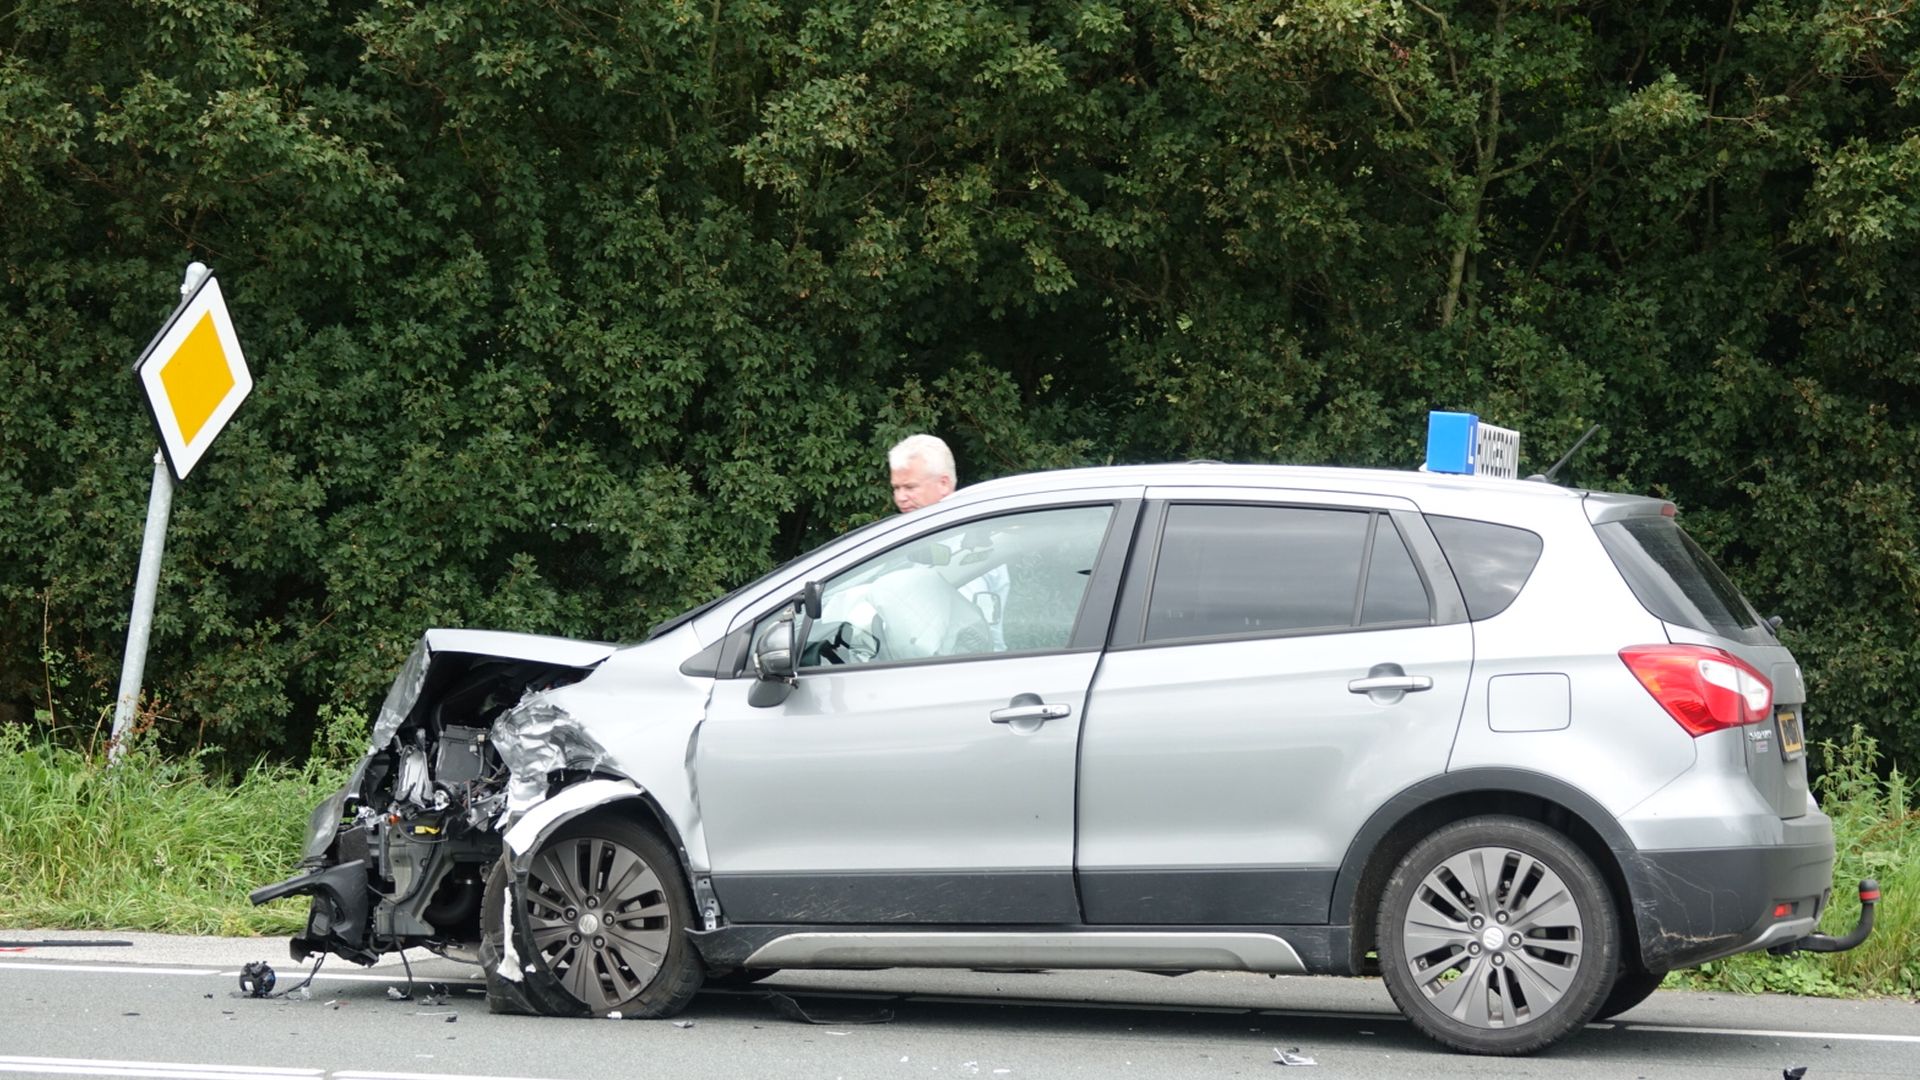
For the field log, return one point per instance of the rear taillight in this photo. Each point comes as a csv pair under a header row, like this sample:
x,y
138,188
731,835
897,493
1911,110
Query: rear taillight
x,y
1704,689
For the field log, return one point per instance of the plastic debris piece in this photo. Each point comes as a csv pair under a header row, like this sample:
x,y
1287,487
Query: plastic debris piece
x,y
683,1023
394,993
300,993
1793,1072
256,979
1291,1056
453,1017
614,1015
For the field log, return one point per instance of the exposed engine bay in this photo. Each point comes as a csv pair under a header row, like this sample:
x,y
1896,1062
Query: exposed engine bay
x,y
400,856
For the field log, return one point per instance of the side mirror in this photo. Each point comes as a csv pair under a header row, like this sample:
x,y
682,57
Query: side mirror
x,y
776,656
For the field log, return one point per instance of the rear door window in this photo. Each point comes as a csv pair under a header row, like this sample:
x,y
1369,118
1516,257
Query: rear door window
x,y
1232,570
1677,581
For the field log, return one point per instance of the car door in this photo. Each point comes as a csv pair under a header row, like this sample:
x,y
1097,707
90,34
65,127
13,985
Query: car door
x,y
1283,663
922,768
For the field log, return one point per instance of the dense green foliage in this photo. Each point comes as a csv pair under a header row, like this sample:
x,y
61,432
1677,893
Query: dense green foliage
x,y
566,315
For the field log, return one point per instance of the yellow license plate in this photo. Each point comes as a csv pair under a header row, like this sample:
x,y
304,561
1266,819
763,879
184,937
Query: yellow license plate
x,y
1792,737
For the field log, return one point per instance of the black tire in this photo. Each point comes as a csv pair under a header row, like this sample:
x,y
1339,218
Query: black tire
x,y
1451,916
735,978
569,959
1629,989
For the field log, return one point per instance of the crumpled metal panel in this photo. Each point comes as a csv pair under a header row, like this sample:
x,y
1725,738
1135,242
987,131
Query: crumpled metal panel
x,y
406,690
535,738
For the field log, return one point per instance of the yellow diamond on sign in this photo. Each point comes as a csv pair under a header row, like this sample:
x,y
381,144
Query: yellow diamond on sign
x,y
195,377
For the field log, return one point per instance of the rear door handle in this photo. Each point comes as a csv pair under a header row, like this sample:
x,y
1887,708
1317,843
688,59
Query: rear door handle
x,y
1029,707
1406,684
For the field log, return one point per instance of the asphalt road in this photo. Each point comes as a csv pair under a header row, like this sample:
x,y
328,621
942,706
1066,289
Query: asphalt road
x,y
170,1008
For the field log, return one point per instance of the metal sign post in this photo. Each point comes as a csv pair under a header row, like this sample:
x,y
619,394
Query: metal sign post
x,y
195,377
145,586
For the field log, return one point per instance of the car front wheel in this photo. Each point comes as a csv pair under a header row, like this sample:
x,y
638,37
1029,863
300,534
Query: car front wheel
x,y
598,928
1497,936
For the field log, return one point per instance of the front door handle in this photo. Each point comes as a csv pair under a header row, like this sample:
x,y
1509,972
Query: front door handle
x,y
1406,684
1029,707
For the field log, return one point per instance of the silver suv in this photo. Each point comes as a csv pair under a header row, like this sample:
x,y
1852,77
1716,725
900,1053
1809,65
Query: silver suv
x,y
1519,749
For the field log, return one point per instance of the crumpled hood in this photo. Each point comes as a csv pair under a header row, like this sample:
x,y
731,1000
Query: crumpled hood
x,y
400,699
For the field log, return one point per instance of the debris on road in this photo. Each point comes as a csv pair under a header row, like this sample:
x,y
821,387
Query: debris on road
x,y
257,979
1291,1056
791,1009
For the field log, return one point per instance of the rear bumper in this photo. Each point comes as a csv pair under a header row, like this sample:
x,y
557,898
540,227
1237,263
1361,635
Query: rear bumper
x,y
1691,906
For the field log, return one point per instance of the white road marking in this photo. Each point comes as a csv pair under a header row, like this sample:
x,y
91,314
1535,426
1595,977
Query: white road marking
x,y
184,1070
35,965
344,1074
165,1069
1852,1036
294,976
286,976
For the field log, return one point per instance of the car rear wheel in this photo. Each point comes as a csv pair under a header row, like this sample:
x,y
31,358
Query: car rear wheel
x,y
598,928
1497,936
1630,989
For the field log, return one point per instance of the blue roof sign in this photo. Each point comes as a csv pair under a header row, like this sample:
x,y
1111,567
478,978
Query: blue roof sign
x,y
1460,444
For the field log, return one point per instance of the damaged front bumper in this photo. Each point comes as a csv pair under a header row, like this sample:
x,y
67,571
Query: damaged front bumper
x,y
337,918
464,744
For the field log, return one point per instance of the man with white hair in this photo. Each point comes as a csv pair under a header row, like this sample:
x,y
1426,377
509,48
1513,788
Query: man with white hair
x,y
923,472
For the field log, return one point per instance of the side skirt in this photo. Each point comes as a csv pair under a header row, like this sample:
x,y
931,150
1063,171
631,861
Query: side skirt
x,y
1277,950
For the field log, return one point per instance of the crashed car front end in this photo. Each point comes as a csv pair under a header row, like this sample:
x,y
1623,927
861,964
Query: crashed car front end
x,y
466,741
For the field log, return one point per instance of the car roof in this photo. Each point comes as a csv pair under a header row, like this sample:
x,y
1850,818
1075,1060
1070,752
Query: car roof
x,y
1442,493
1404,483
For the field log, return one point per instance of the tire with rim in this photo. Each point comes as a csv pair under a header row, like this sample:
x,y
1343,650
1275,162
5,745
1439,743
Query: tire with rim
x,y
599,928
1629,989
1497,936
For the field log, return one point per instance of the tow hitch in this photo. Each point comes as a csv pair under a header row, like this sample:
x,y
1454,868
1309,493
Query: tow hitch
x,y
1869,899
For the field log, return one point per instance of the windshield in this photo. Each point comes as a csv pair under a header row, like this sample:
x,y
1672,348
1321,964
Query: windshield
x,y
698,609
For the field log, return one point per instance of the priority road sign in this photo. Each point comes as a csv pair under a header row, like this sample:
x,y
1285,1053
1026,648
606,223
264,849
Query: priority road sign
x,y
195,376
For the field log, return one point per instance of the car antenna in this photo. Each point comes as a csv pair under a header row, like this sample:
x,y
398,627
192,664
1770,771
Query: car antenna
x,y
1566,457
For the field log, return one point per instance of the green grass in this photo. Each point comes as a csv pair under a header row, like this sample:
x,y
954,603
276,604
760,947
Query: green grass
x,y
147,843
157,844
